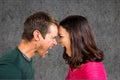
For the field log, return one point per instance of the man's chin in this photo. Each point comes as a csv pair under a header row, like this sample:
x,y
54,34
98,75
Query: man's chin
x,y
44,54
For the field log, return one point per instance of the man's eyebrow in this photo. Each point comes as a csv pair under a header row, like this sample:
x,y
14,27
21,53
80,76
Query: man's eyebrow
x,y
54,36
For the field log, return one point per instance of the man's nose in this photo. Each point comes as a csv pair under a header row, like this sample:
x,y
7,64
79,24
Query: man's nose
x,y
55,42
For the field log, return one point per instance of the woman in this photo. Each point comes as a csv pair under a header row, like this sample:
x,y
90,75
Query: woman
x,y
80,53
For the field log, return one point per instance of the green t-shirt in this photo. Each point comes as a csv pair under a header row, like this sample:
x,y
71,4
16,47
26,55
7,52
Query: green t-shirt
x,y
14,66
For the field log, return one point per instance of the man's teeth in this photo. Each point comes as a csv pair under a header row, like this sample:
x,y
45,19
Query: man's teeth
x,y
62,46
46,51
50,48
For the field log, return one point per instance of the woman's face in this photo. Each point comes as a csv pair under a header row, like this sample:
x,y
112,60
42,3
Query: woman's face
x,y
64,40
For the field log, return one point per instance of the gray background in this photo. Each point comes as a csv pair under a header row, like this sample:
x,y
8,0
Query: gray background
x,y
103,15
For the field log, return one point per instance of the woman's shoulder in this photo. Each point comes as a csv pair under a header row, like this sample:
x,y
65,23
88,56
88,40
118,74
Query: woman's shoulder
x,y
94,67
93,63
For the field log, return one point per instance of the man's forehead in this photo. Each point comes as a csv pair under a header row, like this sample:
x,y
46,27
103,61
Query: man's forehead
x,y
53,29
53,33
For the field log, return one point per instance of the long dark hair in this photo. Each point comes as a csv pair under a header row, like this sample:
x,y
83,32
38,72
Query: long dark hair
x,y
83,45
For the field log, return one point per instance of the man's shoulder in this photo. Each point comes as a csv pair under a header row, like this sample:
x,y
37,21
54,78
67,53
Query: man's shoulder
x,y
8,62
6,67
10,56
8,71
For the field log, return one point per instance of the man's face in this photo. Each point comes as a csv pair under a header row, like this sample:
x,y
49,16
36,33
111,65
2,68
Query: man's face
x,y
49,41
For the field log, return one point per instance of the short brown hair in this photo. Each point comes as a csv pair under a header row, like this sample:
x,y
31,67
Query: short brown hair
x,y
38,21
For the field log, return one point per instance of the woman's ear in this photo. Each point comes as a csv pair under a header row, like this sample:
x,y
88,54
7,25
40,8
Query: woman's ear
x,y
37,35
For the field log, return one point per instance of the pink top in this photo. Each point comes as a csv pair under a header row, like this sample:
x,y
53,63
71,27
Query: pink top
x,y
88,71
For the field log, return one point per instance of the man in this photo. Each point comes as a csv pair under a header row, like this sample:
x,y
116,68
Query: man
x,y
40,32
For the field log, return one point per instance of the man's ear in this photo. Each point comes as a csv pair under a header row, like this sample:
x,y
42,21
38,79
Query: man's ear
x,y
37,35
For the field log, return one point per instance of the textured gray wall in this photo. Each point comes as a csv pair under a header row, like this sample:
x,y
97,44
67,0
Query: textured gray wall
x,y
104,16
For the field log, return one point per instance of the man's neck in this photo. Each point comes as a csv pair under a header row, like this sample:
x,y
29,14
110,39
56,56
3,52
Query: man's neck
x,y
27,48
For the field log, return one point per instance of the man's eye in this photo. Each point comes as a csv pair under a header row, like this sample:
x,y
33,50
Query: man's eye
x,y
60,36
